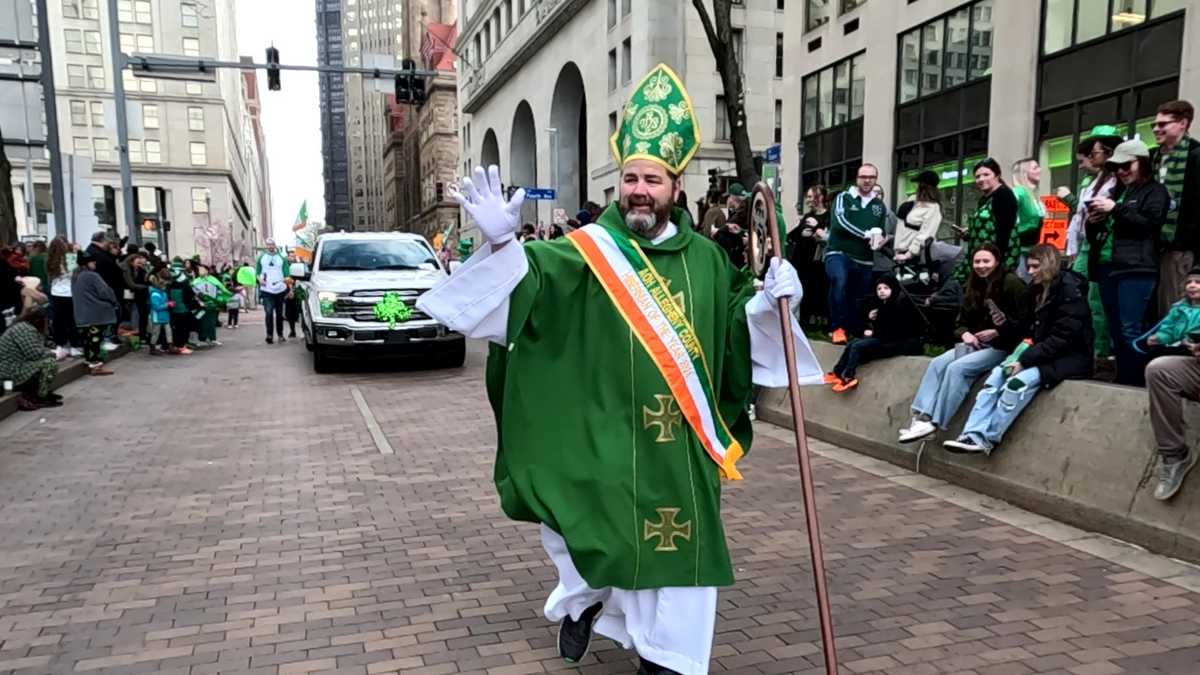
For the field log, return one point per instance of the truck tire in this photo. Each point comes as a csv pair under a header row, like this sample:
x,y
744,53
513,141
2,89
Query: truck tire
x,y
321,361
454,356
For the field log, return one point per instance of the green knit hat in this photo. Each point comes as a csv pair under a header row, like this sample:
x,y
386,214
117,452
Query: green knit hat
x,y
659,123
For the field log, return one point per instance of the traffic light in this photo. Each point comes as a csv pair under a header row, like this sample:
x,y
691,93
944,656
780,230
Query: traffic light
x,y
272,69
439,192
403,88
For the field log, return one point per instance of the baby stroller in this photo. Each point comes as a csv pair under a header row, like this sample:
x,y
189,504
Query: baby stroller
x,y
928,282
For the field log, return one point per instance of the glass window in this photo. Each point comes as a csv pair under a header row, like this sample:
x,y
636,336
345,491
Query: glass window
x,y
83,146
981,40
1058,25
91,9
778,121
148,85
153,152
149,116
612,13
779,55
626,7
97,114
612,69
74,40
79,113
931,58
125,10
135,151
95,77
1128,13
75,75
739,46
851,5
810,105
841,92
103,149
145,44
1091,20
127,43
910,65
858,87
191,47
958,28
626,60
826,94
91,41
199,205
816,13
188,18
141,11
722,120
194,89
195,119
199,153
70,9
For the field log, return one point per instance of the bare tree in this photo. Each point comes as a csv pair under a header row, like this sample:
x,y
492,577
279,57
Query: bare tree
x,y
8,214
720,40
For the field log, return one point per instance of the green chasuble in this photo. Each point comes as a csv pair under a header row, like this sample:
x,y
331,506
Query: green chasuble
x,y
592,444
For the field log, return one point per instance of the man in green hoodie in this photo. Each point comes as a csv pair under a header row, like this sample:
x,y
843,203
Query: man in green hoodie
x,y
855,231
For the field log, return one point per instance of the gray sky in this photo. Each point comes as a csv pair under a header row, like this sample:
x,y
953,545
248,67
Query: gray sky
x,y
292,116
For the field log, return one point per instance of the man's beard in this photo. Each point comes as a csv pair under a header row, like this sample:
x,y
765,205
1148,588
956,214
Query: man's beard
x,y
647,225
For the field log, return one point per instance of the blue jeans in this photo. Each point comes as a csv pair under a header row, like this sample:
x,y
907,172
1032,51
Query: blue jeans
x,y
849,282
999,403
947,382
1125,298
273,308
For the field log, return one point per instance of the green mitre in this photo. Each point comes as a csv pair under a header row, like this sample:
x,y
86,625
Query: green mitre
x,y
659,123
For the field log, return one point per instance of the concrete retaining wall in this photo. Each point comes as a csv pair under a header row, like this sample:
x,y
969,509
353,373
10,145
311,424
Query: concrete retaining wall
x,y
1081,453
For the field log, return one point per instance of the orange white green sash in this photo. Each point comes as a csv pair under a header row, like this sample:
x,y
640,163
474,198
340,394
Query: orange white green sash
x,y
641,297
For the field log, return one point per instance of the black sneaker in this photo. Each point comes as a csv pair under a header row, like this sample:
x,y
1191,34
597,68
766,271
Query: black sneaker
x,y
270,340
574,637
651,668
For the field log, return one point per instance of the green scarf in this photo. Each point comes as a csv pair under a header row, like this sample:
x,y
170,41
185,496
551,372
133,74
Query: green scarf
x,y
1176,163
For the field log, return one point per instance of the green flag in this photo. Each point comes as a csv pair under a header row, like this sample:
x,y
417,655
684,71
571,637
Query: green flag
x,y
302,217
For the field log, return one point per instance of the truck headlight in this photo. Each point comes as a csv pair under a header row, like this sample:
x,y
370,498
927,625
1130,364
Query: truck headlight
x,y
326,300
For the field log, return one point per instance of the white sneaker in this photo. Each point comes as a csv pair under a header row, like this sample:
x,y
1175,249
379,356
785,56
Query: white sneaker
x,y
110,345
919,429
214,343
75,352
61,353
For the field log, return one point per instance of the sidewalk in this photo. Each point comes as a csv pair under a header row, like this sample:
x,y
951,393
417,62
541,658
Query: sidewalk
x,y
232,512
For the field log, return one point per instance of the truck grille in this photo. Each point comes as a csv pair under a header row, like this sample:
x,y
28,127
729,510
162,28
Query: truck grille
x,y
360,305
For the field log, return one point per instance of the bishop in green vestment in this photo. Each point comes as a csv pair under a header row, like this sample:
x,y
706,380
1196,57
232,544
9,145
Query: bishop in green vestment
x,y
594,442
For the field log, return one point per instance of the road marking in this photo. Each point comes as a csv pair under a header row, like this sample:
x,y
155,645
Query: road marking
x,y
381,441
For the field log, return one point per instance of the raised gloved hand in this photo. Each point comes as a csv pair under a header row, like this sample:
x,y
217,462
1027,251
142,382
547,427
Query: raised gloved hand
x,y
782,281
484,201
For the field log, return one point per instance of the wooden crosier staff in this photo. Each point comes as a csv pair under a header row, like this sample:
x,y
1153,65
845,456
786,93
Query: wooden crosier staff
x,y
763,218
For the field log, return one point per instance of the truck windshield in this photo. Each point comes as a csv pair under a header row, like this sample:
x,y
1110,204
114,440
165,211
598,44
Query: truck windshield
x,y
374,254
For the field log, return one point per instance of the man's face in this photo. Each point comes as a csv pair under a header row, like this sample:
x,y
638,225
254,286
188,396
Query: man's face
x,y
865,179
733,203
647,194
1168,129
271,248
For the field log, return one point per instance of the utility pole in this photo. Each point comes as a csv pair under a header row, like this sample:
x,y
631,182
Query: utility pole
x,y
118,68
51,101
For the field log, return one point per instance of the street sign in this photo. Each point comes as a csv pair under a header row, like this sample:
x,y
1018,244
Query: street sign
x,y
170,68
540,194
772,154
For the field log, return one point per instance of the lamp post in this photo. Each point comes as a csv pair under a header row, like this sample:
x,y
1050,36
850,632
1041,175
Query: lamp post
x,y
208,230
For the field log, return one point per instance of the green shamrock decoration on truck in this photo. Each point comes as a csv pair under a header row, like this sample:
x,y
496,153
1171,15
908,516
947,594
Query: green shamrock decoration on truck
x,y
392,310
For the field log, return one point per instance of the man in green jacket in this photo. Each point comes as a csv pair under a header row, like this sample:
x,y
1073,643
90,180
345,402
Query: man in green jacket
x,y
855,232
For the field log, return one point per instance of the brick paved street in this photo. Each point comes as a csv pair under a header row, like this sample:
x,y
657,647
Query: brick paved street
x,y
230,512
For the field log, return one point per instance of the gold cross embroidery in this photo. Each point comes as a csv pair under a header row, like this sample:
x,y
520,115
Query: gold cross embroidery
x,y
666,529
678,298
666,417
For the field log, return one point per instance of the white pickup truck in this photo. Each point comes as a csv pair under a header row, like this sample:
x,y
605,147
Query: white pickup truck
x,y
361,300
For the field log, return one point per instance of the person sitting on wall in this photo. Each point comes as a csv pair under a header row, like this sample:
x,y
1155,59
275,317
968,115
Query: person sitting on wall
x,y
992,294
893,330
1055,323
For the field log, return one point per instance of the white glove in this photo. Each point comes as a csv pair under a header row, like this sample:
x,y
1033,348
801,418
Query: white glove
x,y
782,281
484,201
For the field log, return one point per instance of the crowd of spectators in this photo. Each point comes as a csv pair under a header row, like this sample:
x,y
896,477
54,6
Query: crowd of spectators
x,y
60,300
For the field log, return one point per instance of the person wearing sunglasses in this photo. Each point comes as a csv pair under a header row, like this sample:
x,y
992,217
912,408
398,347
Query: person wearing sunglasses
x,y
1123,236
1177,166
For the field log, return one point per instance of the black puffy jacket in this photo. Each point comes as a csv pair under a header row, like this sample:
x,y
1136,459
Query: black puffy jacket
x,y
1060,327
1135,226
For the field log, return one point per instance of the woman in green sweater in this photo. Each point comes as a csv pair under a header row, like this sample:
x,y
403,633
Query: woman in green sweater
x,y
1027,175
